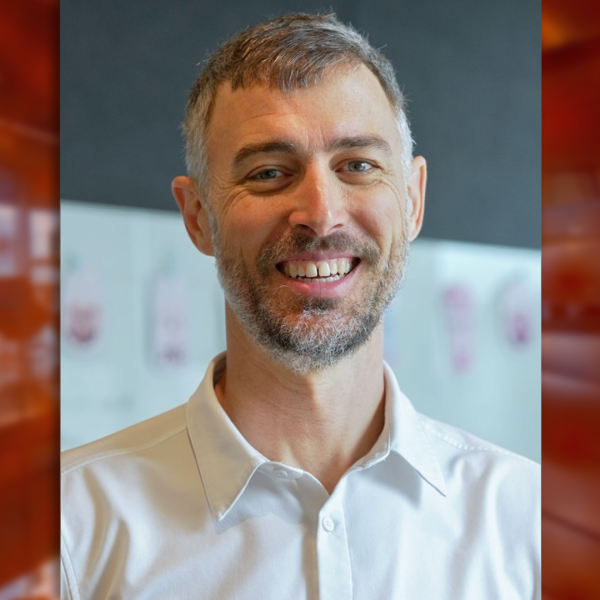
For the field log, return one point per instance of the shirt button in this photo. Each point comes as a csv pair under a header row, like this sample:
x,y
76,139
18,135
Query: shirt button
x,y
280,473
328,524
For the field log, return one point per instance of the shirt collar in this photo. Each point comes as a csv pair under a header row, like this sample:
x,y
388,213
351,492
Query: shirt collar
x,y
407,435
227,461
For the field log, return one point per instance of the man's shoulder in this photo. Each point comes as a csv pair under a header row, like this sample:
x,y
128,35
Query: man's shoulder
x,y
490,484
127,444
456,447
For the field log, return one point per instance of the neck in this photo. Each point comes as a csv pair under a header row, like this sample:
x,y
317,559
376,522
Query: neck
x,y
321,422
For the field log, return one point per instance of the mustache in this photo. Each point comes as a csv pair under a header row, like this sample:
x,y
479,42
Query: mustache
x,y
295,242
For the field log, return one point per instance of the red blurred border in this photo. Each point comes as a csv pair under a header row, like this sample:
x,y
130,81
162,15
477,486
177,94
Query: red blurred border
x,y
29,263
571,299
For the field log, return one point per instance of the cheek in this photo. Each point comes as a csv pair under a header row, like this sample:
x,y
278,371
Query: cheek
x,y
382,221
248,225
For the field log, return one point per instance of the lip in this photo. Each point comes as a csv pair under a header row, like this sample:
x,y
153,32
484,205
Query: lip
x,y
320,289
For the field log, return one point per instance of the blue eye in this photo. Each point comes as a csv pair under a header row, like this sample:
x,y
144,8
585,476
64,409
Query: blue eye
x,y
266,174
359,166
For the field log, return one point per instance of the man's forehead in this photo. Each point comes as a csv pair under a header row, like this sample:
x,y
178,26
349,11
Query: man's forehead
x,y
345,100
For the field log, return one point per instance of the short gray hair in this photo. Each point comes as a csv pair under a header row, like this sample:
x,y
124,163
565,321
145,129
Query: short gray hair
x,y
285,53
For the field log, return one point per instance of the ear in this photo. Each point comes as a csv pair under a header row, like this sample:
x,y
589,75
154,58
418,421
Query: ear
x,y
195,217
417,183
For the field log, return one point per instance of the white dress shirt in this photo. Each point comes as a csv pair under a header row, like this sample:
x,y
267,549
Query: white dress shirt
x,y
182,507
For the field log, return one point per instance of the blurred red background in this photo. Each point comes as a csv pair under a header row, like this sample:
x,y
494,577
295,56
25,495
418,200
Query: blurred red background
x,y
28,298
571,299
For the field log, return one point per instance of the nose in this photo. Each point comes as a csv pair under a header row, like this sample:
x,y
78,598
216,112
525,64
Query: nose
x,y
319,206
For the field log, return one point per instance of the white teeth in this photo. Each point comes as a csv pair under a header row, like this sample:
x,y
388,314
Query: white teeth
x,y
324,269
311,270
343,267
331,270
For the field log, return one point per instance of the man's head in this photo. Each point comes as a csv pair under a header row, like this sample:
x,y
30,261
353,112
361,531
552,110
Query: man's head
x,y
303,185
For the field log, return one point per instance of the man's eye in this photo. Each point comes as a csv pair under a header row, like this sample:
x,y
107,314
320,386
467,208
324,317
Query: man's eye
x,y
266,175
359,166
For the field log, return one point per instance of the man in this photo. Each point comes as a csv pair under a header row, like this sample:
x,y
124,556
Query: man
x,y
298,469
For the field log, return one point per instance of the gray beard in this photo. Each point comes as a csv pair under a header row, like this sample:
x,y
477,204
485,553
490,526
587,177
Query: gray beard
x,y
315,333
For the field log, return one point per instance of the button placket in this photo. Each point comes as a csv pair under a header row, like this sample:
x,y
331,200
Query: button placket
x,y
333,556
328,524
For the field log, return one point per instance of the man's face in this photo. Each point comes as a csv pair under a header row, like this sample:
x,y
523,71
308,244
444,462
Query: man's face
x,y
310,213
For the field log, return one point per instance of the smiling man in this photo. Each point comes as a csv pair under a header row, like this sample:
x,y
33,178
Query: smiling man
x,y
298,469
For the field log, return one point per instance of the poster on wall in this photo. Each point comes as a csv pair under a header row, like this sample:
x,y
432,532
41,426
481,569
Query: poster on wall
x,y
169,321
459,319
82,317
516,311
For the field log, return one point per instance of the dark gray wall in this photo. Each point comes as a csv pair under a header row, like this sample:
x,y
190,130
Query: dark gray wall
x,y
470,68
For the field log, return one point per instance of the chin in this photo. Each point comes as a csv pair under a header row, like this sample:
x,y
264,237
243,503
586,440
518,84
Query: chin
x,y
312,342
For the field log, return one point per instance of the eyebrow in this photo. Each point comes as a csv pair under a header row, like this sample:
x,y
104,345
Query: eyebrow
x,y
249,150
287,147
360,141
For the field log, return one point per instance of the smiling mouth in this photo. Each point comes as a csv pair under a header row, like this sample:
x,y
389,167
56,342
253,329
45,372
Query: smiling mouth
x,y
318,271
